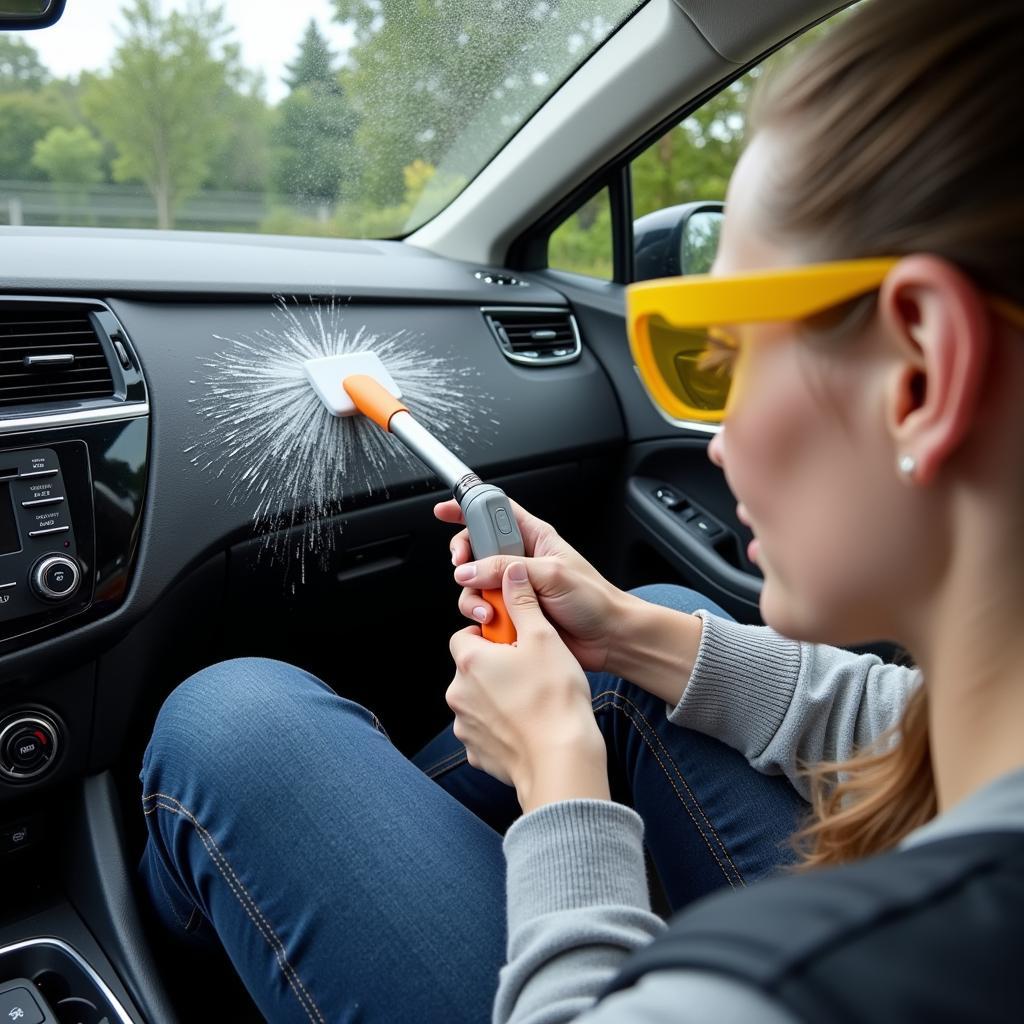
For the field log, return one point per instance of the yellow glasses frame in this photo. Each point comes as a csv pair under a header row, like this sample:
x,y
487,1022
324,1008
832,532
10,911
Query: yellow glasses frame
x,y
793,293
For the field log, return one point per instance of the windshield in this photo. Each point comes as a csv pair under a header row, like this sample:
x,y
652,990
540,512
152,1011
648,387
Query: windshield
x,y
351,118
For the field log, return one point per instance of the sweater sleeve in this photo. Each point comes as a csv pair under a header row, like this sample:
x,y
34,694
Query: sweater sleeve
x,y
785,704
577,906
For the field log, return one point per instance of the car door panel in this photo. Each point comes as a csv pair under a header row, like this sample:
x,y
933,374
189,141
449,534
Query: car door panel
x,y
700,541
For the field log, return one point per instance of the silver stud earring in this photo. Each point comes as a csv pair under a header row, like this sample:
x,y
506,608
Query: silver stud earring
x,y
907,467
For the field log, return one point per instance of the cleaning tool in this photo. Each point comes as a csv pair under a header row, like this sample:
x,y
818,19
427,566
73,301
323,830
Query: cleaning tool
x,y
360,383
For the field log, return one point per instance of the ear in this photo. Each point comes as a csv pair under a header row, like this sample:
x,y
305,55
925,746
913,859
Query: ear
x,y
938,320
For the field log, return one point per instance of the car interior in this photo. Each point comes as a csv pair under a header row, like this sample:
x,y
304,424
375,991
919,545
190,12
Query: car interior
x,y
134,549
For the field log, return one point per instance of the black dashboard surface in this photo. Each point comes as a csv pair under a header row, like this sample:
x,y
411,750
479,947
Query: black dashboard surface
x,y
185,301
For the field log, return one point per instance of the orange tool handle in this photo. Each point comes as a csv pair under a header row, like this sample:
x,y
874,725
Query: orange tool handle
x,y
372,399
500,629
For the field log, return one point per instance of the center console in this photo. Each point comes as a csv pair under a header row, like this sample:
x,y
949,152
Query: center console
x,y
74,438
50,982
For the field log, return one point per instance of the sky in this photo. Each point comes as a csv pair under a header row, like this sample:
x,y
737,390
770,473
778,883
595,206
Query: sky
x,y
269,34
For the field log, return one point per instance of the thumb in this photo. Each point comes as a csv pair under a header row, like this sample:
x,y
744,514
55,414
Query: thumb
x,y
521,601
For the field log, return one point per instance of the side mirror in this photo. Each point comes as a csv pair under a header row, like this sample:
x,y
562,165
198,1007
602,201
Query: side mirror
x,y
25,14
677,240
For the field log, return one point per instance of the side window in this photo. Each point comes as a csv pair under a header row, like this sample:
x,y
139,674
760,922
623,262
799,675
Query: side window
x,y
582,243
689,166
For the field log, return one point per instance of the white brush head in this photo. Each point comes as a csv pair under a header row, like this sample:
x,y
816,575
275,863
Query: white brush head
x,y
327,373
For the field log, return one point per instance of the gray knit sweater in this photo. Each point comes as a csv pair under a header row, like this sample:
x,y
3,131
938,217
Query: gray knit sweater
x,y
577,888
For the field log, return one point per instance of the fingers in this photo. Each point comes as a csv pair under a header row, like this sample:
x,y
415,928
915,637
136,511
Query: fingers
x,y
473,606
449,512
460,548
521,602
462,644
531,528
547,575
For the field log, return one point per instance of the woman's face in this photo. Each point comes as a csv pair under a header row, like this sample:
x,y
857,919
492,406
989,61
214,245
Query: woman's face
x,y
806,451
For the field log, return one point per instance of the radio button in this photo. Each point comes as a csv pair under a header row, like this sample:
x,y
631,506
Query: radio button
x,y
55,577
42,502
47,532
46,519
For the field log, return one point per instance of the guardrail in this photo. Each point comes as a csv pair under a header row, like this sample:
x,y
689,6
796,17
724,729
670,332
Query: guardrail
x,y
132,206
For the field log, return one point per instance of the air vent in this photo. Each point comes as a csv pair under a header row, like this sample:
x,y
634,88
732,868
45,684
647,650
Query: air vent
x,y
535,335
50,355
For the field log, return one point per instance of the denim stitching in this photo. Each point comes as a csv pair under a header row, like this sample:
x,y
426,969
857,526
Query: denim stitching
x,y
271,938
682,778
459,756
697,825
242,894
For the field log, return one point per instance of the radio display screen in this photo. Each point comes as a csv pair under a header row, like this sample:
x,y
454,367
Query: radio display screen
x,y
9,540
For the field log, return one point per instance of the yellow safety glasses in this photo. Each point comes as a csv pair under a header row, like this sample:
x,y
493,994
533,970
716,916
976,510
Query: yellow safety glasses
x,y
684,334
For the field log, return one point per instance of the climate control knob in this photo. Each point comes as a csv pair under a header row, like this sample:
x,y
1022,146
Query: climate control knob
x,y
55,577
29,742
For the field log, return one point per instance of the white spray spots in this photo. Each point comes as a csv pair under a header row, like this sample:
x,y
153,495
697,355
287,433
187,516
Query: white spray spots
x,y
270,436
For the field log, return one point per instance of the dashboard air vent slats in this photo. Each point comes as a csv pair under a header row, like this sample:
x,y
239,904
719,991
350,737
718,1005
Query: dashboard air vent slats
x,y
534,335
50,356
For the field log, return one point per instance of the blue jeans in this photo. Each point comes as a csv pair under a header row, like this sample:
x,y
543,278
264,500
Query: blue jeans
x,y
347,882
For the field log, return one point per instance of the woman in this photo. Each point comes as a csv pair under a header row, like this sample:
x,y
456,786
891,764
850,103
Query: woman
x,y
867,303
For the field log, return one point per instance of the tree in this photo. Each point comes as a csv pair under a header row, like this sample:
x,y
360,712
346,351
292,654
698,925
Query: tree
x,y
315,156
159,104
20,66
695,159
315,64
448,81
25,117
243,160
69,156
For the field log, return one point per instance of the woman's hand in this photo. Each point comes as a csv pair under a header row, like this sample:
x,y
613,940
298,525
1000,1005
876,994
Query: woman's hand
x,y
523,711
581,603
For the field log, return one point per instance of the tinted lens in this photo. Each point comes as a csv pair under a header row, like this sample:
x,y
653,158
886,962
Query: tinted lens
x,y
695,365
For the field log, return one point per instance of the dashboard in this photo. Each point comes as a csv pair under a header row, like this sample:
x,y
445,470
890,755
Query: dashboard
x,y
206,447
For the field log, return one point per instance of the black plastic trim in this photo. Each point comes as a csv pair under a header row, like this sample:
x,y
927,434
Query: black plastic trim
x,y
621,196
99,885
52,16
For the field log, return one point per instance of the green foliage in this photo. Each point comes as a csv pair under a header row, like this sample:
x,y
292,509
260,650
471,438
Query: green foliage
x,y
447,81
371,145
690,162
243,161
695,159
25,117
158,105
582,243
423,184
70,156
20,66
315,157
316,62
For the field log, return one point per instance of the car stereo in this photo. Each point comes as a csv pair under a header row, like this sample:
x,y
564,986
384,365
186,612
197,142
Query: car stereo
x,y
44,562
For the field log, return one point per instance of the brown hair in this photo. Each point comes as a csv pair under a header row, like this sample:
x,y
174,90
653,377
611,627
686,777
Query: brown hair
x,y
903,133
